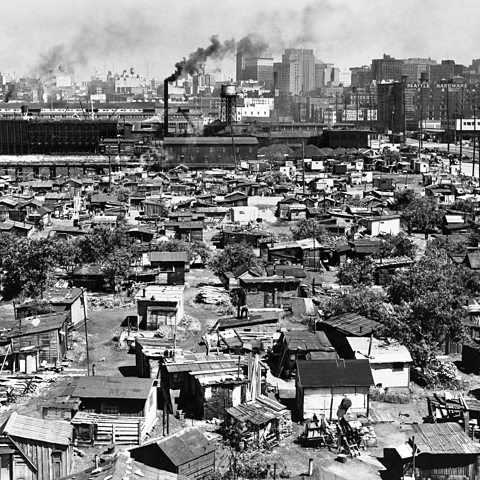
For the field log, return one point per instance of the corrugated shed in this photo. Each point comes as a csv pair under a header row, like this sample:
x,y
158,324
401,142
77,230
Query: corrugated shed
x,y
305,341
48,431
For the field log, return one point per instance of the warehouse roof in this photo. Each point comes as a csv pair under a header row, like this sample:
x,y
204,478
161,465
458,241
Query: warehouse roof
x,y
333,373
171,141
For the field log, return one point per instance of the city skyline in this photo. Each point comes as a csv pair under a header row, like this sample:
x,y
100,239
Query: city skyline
x,y
154,36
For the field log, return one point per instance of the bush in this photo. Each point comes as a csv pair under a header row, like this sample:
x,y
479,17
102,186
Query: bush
x,y
380,395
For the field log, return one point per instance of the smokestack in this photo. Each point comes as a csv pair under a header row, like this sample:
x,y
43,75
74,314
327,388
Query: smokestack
x,y
165,106
370,346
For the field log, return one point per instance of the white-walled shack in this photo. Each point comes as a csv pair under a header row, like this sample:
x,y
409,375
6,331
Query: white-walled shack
x,y
390,362
321,385
160,305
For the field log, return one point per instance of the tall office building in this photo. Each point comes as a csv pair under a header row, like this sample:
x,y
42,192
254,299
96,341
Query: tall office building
x,y
287,78
260,69
417,68
387,68
361,77
305,59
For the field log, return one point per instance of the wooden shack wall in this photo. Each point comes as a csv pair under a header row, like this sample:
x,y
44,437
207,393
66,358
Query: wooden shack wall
x,y
430,466
198,467
41,455
52,343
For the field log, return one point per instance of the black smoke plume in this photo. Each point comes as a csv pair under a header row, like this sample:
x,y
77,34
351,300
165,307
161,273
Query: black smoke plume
x,y
252,45
10,92
191,65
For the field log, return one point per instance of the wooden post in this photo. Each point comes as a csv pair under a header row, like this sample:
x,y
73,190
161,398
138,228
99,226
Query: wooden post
x,y
140,432
113,433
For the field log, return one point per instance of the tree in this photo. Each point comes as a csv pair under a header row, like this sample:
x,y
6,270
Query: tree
x,y
396,246
273,178
371,303
429,302
357,272
117,267
422,214
231,257
122,193
194,249
403,198
101,242
309,228
68,255
27,265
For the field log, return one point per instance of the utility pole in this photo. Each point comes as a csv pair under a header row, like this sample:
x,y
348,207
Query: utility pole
x,y
303,165
474,138
404,91
448,120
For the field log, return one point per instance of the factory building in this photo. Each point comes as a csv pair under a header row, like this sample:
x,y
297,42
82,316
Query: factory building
x,y
209,152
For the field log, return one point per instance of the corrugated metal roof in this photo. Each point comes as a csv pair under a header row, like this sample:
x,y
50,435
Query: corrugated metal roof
x,y
444,438
332,373
49,431
168,256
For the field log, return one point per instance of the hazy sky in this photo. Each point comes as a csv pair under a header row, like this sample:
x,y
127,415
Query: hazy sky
x,y
120,34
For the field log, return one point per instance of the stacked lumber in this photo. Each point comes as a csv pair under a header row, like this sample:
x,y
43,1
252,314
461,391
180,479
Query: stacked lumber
x,y
212,295
285,426
13,386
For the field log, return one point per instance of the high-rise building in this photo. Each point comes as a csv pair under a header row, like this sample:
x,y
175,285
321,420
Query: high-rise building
x,y
287,78
413,68
386,69
390,105
443,71
305,59
260,69
361,77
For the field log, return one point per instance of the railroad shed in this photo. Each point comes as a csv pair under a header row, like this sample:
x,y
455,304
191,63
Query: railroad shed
x,y
35,449
321,385
187,452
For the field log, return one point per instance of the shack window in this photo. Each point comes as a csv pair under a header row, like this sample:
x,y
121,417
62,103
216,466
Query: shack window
x,y
57,463
397,366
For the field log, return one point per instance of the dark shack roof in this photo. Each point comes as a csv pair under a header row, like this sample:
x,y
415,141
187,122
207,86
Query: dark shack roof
x,y
444,438
182,447
331,373
110,387
353,324
305,341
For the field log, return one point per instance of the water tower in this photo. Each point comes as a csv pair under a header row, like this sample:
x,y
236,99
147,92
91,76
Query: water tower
x,y
228,106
